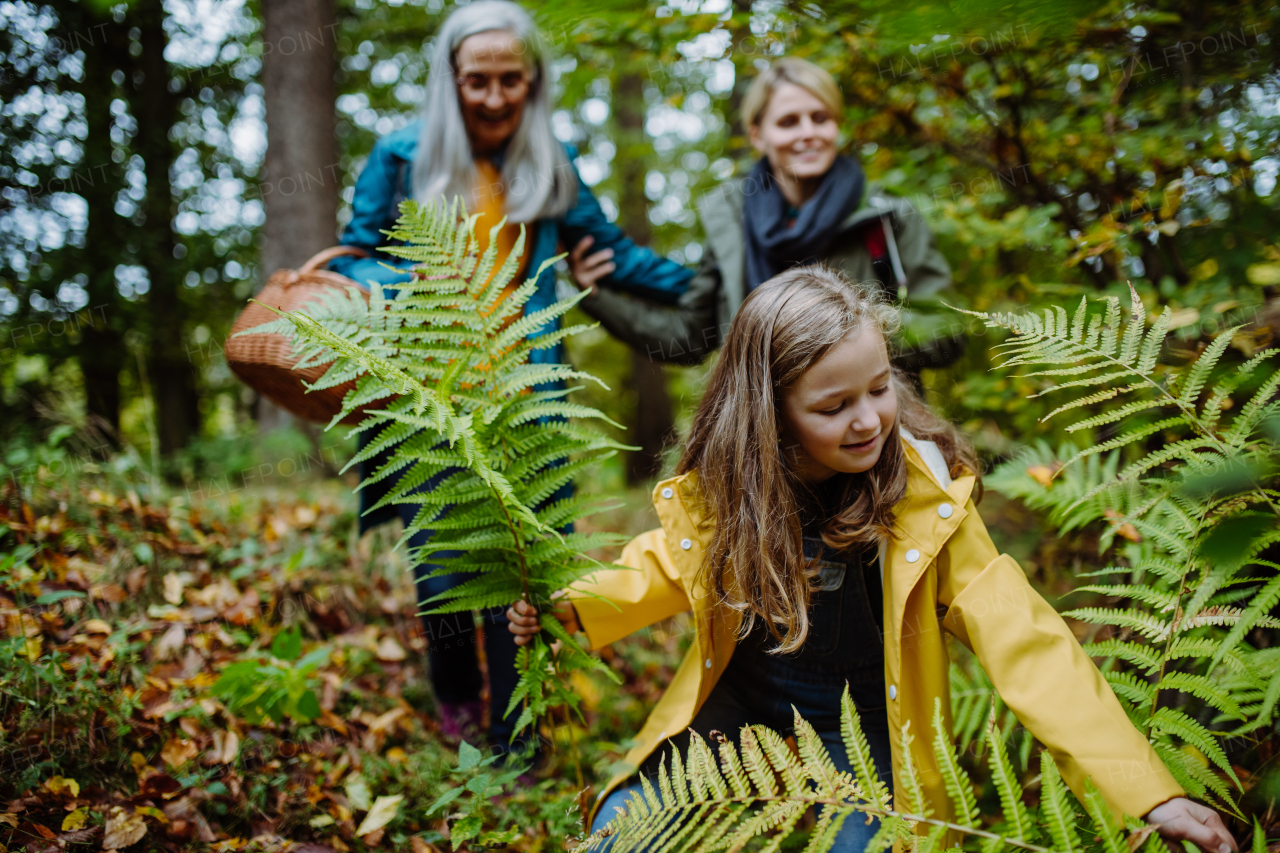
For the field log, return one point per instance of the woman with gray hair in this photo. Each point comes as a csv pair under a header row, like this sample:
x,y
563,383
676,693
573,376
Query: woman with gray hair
x,y
485,136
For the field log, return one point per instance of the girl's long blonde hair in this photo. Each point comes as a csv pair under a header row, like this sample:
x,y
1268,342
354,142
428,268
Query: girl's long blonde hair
x,y
756,562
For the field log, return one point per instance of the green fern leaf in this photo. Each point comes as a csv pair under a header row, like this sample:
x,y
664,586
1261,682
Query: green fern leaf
x,y
859,753
1103,823
1006,781
1174,722
959,787
1055,806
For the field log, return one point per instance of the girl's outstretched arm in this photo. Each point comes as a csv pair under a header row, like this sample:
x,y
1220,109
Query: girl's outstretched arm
x,y
1044,676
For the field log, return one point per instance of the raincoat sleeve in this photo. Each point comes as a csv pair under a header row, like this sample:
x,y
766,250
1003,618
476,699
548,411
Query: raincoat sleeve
x,y
684,333
1043,674
644,588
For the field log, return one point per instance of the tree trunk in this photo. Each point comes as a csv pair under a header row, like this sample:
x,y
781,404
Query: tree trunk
x,y
100,350
172,379
654,424
300,179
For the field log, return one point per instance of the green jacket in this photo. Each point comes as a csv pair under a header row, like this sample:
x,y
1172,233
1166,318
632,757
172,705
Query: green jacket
x,y
687,332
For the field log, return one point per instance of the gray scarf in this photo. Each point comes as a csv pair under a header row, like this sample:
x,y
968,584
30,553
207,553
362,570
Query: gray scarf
x,y
774,246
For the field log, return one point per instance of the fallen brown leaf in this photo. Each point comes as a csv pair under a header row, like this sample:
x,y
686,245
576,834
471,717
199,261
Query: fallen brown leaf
x,y
226,745
178,751
159,785
123,828
390,651
173,586
1139,836
171,642
184,809
111,592
384,722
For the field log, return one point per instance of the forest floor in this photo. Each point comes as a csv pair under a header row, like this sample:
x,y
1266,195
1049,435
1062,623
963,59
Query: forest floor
x,y
245,673
121,724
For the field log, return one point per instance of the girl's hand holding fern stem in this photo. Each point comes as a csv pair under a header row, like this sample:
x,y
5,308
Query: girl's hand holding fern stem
x,y
1181,819
523,619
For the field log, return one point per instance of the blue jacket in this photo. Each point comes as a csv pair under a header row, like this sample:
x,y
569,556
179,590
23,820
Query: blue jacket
x,y
386,181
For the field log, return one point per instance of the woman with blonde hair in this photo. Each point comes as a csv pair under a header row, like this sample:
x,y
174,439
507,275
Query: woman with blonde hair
x,y
803,202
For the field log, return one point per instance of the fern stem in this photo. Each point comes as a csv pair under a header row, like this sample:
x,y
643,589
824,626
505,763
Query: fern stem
x,y
573,744
518,538
1173,625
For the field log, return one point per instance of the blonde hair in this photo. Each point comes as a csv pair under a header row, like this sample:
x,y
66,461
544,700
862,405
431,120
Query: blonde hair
x,y
790,69
755,562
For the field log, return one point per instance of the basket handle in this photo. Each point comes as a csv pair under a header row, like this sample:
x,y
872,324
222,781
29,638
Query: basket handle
x,y
326,255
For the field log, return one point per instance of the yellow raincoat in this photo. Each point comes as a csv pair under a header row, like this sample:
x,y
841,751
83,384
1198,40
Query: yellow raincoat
x,y
940,571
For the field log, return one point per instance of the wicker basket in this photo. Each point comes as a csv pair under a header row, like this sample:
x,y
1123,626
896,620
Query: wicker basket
x,y
265,362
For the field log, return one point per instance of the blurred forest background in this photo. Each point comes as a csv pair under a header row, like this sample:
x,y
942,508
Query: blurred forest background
x,y
160,158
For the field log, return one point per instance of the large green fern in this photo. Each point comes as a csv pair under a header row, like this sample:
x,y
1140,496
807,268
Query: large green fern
x,y
760,789
1183,481
479,436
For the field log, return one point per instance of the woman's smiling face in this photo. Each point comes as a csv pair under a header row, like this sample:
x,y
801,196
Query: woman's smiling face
x,y
493,84
837,417
797,133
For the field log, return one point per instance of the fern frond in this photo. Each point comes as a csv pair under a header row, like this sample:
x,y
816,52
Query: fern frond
x,y
1006,781
1198,375
1147,624
959,786
1203,688
1055,806
1175,722
1103,822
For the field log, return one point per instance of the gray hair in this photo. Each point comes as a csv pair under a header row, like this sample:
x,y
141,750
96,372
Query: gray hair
x,y
537,179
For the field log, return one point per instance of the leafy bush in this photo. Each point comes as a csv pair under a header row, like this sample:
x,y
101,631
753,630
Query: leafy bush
x,y
274,687
1190,491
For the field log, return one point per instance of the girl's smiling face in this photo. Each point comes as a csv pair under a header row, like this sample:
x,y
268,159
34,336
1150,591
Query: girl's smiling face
x,y
837,416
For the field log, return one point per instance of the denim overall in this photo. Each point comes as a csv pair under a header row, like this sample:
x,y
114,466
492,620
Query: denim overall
x,y
844,646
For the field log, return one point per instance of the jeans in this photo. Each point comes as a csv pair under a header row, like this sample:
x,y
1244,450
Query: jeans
x,y
844,648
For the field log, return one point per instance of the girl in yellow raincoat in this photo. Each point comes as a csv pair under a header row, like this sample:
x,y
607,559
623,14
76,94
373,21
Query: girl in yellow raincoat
x,y
821,533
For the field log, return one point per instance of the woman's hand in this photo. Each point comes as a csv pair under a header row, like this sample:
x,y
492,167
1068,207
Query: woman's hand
x,y
1181,819
523,620
586,271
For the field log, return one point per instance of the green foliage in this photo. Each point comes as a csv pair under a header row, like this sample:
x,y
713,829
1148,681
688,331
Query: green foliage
x,y
760,788
1187,486
479,434
470,806
282,684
